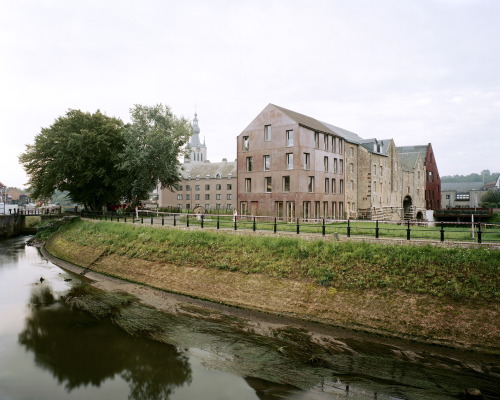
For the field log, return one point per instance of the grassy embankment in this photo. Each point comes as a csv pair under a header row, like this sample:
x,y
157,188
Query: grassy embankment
x,y
448,295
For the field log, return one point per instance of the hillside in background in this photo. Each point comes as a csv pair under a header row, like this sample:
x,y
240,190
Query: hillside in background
x,y
484,176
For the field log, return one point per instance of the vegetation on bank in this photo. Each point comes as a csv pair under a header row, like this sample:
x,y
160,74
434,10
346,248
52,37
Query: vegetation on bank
x,y
451,272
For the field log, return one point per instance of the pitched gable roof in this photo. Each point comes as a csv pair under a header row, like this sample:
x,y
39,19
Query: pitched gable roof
x,y
316,125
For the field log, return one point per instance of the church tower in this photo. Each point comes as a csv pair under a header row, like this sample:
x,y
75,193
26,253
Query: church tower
x,y
195,150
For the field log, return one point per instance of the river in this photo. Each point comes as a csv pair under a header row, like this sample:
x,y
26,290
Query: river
x,y
51,348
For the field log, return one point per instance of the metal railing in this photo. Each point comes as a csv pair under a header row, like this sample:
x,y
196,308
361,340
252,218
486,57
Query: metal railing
x,y
406,230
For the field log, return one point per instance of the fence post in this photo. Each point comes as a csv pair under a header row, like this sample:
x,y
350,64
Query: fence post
x,y
324,228
479,232
376,229
349,227
235,223
253,227
142,220
275,226
187,220
202,220
125,218
408,231
218,222
162,220
442,231
298,226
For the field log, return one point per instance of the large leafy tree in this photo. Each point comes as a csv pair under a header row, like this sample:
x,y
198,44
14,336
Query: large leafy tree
x,y
100,161
154,141
78,153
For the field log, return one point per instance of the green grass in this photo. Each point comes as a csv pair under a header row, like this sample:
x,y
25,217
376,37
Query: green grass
x,y
454,272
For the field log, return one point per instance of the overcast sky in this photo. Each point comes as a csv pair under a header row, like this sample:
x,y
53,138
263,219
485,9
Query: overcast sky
x,y
417,71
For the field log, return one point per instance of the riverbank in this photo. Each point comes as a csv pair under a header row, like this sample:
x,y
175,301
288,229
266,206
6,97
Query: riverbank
x,y
459,321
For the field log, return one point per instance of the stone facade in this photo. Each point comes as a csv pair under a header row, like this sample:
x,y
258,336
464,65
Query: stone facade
x,y
291,165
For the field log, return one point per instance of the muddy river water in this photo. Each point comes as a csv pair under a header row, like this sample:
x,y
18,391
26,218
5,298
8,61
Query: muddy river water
x,y
61,338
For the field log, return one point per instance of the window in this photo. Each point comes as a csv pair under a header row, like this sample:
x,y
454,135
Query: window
x,y
307,160
351,183
325,141
243,208
179,206
289,138
188,206
246,143
249,164
286,183
188,197
267,163
197,197
341,146
351,151
218,196
381,170
179,187
229,186
218,186
341,209
407,189
335,165
188,187
197,187
268,184
334,144
334,186
341,186
229,207
218,176
207,187
374,186
289,160
316,140
229,196
351,167
218,206
341,165
248,185
179,197
310,184
462,197
306,209
325,163
207,196
267,133
374,169
327,185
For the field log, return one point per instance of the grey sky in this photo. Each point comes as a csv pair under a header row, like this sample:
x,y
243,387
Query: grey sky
x,y
416,71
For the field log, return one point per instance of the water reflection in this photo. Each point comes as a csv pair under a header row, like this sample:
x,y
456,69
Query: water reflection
x,y
80,350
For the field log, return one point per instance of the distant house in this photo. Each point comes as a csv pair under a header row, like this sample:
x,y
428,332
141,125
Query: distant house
x,y
462,194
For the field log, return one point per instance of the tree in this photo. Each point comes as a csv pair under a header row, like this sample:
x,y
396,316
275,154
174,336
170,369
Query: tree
x,y
99,161
78,153
154,142
491,199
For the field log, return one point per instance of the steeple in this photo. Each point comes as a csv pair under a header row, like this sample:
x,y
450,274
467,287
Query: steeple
x,y
195,150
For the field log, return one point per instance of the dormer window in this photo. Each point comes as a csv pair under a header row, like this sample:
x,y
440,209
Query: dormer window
x,y
218,175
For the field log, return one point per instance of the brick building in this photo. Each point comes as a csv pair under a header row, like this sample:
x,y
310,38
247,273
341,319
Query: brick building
x,y
292,165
